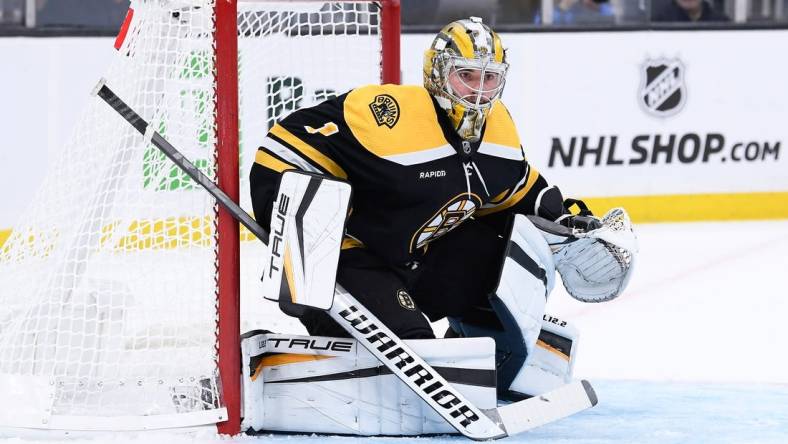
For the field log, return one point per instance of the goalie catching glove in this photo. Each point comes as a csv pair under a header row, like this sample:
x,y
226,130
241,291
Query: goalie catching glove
x,y
595,257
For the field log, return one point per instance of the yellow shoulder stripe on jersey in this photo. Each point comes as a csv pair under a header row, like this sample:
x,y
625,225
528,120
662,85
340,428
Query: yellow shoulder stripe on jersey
x,y
500,128
271,162
514,198
414,127
309,151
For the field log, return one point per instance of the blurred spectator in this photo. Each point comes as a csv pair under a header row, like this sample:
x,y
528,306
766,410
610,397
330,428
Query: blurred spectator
x,y
633,12
107,14
450,10
419,12
516,11
767,10
688,11
12,12
439,12
575,12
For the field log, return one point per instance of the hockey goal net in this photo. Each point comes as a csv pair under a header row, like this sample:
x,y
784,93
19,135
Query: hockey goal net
x,y
119,286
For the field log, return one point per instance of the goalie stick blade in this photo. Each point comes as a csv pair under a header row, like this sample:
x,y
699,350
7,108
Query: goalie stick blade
x,y
560,403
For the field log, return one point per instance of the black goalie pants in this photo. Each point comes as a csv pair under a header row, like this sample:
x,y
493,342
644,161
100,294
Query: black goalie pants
x,y
453,278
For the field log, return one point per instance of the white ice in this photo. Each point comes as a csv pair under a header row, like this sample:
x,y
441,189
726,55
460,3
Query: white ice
x,y
695,351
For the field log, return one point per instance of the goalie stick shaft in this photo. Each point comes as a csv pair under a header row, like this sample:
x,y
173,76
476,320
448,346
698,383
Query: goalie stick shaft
x,y
178,159
360,323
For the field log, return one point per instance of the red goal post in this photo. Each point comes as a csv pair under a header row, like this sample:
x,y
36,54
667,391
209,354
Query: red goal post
x,y
226,42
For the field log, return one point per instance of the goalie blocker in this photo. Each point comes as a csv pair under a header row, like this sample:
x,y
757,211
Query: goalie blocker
x,y
307,224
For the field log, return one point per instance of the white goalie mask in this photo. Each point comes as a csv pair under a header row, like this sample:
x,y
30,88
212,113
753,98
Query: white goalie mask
x,y
465,70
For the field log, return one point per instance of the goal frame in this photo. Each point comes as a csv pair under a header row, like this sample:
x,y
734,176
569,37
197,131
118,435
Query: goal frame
x,y
225,41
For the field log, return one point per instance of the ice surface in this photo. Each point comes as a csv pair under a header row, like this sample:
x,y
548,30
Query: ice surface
x,y
695,351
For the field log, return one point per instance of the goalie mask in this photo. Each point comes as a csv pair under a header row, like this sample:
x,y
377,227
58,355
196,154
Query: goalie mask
x,y
465,71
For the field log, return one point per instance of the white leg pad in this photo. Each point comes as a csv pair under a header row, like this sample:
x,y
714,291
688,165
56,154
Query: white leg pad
x,y
332,385
527,277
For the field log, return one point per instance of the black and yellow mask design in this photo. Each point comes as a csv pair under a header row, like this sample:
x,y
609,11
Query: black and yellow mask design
x,y
465,70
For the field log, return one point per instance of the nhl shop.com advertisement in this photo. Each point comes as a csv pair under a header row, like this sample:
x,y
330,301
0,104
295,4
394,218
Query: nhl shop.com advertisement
x,y
652,113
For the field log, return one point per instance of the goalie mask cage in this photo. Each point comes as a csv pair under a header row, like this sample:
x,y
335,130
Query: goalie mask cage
x,y
119,286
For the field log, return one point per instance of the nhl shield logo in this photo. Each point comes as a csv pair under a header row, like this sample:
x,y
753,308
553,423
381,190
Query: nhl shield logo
x,y
662,90
385,110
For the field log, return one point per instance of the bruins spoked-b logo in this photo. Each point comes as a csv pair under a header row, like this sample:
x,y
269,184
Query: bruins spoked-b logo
x,y
405,300
452,214
385,110
662,90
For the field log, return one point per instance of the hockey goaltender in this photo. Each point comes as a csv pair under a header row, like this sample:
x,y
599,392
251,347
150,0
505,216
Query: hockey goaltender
x,y
389,206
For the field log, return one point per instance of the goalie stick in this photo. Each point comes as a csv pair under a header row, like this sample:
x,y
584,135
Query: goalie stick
x,y
392,352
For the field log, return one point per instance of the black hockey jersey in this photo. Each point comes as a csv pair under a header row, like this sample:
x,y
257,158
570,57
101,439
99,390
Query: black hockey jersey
x,y
413,178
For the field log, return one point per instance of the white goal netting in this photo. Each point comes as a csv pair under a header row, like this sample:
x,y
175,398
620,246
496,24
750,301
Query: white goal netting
x,y
108,295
